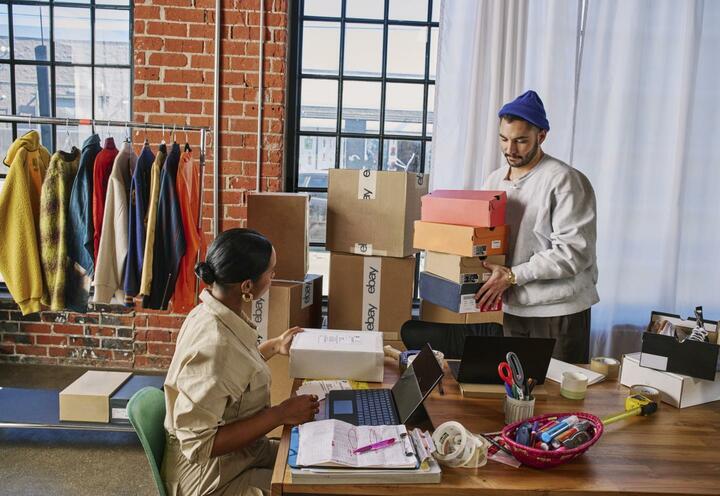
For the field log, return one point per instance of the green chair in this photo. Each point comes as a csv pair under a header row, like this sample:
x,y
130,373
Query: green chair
x,y
146,410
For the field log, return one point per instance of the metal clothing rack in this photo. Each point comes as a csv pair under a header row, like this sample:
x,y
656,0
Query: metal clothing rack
x,y
20,119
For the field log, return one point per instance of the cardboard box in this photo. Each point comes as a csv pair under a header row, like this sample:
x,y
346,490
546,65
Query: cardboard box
x,y
429,312
88,398
120,398
283,219
458,298
370,293
678,390
286,305
465,208
676,353
462,270
372,212
461,240
336,354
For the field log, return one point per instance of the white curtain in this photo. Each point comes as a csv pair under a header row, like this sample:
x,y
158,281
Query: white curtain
x,y
633,103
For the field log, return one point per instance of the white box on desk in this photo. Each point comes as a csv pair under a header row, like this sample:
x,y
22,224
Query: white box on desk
x,y
336,354
680,391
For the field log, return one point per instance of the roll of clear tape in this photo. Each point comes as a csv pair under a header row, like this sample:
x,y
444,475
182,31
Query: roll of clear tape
x,y
648,391
439,356
458,447
574,385
609,367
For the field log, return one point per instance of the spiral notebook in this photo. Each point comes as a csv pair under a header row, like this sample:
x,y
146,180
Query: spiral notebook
x,y
331,443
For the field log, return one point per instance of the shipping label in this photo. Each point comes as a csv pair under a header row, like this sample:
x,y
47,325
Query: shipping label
x,y
307,294
372,268
363,249
479,250
119,413
260,315
367,184
468,304
474,278
496,244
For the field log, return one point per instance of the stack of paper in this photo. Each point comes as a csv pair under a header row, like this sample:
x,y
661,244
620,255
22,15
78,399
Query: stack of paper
x,y
556,369
321,388
332,443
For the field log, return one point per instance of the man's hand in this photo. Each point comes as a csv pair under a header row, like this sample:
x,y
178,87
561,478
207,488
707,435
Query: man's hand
x,y
490,294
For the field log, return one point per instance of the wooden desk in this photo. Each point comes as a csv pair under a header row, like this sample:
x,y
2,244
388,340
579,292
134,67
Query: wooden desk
x,y
672,452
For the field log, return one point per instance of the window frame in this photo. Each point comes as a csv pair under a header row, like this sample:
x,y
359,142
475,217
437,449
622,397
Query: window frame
x,y
294,135
11,62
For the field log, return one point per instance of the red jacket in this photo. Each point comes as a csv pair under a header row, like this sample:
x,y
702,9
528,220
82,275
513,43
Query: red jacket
x,y
101,175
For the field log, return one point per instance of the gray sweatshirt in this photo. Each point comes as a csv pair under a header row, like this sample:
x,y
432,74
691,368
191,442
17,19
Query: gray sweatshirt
x,y
552,220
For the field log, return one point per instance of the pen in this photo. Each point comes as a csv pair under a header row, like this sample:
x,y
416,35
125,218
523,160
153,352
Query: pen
x,y
375,446
497,445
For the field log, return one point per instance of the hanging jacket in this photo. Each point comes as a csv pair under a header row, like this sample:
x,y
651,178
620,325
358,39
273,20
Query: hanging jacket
x,y
169,237
101,175
54,204
113,246
80,231
19,221
137,215
146,279
188,192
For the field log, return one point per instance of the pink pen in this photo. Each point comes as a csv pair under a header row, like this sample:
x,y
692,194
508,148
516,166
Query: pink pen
x,y
375,446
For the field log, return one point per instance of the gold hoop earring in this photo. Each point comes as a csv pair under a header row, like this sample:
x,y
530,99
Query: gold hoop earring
x,y
247,297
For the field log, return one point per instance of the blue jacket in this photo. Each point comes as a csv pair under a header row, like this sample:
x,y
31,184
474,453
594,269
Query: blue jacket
x,y
169,245
137,215
80,229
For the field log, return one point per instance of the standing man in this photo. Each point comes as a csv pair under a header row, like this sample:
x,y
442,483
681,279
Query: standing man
x,y
549,284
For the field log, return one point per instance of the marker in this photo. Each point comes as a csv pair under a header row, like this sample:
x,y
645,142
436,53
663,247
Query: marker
x,y
549,434
375,446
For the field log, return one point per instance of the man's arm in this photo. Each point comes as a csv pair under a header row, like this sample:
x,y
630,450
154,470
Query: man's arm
x,y
573,236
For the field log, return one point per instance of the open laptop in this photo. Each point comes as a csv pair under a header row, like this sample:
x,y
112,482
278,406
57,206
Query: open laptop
x,y
388,406
482,354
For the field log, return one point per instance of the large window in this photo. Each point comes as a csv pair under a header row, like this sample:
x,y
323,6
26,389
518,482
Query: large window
x,y
362,94
69,59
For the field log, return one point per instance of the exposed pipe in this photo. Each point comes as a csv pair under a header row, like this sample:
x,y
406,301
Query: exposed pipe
x,y
261,71
216,122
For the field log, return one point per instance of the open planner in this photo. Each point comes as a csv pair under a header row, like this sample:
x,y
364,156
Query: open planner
x,y
331,443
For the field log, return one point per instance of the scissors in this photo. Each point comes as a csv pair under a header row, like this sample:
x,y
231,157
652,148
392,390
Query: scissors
x,y
511,372
505,373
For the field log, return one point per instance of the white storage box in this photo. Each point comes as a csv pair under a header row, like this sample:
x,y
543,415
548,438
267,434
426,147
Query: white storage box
x,y
333,354
680,391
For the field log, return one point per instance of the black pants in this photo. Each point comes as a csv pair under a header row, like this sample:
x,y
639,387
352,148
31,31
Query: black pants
x,y
572,333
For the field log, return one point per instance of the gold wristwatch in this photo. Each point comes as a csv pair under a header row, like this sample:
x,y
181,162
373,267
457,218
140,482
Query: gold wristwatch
x,y
511,278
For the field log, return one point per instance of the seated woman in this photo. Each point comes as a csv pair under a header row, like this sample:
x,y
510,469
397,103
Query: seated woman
x,y
217,391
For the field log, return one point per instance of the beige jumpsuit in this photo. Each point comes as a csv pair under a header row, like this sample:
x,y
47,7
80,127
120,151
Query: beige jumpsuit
x,y
216,376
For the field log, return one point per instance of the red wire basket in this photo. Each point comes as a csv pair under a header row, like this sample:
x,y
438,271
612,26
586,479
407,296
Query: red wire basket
x,y
547,459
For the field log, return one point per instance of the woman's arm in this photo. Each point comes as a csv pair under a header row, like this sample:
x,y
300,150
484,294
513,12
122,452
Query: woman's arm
x,y
241,433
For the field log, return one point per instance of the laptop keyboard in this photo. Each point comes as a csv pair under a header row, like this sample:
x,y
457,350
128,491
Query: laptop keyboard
x,y
375,407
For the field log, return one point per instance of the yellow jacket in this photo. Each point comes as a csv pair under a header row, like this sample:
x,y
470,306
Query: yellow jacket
x,y
20,221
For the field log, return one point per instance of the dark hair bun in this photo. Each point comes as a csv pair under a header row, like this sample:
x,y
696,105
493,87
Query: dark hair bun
x,y
205,272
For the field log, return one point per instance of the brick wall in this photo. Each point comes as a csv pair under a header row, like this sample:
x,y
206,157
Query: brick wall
x,y
173,83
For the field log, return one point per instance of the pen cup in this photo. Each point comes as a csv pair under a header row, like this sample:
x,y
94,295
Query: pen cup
x,y
516,410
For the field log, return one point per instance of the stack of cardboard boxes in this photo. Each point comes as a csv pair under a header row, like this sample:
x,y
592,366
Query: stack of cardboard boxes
x,y
295,297
370,236
459,230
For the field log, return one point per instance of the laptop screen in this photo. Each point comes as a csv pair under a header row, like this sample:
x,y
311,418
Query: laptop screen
x,y
416,382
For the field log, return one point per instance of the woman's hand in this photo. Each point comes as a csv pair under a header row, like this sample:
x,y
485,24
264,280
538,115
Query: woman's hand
x,y
299,409
279,345
285,341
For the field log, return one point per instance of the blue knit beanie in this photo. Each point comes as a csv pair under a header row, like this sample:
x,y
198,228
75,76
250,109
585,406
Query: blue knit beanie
x,y
527,106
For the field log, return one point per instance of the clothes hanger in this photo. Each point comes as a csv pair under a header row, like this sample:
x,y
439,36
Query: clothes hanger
x,y
68,142
163,135
127,133
174,136
147,142
187,144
